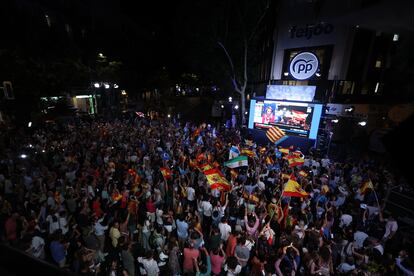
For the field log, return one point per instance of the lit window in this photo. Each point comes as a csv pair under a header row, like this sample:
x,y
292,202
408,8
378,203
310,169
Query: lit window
x,y
378,64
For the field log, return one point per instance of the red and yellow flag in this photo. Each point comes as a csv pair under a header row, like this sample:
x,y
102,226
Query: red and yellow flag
x,y
166,173
293,189
365,186
205,167
303,173
284,150
248,153
295,161
274,134
217,180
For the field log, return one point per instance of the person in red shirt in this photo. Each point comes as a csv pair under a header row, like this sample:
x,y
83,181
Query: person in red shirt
x,y
231,243
189,254
11,228
96,206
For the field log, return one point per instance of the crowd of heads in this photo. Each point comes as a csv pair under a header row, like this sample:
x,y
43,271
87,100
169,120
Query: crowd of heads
x,y
90,197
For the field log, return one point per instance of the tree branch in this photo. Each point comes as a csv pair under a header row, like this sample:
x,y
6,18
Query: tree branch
x,y
259,21
230,61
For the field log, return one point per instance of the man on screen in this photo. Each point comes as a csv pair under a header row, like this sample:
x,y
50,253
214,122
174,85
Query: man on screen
x,y
268,116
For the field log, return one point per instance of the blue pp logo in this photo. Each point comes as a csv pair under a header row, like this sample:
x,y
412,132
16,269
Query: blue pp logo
x,y
304,65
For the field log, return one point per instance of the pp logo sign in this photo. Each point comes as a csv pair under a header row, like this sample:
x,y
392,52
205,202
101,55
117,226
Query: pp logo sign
x,y
304,65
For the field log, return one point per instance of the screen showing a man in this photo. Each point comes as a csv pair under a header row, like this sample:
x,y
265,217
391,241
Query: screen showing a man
x,y
268,115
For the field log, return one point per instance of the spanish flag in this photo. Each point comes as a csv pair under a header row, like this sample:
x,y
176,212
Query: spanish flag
x,y
285,176
166,173
248,153
284,151
275,134
205,167
217,180
293,189
365,186
251,197
295,161
303,173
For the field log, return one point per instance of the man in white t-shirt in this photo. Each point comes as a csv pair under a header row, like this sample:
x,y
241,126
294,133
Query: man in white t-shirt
x,y
390,228
225,229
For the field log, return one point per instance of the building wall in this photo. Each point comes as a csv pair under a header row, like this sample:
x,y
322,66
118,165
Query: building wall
x,y
297,15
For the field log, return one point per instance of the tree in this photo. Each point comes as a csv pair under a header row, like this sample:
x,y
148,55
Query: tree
x,y
218,41
249,17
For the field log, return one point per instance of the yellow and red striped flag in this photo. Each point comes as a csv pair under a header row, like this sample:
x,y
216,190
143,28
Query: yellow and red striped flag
x,y
365,186
293,189
166,173
275,134
303,173
284,150
295,161
248,152
217,180
205,167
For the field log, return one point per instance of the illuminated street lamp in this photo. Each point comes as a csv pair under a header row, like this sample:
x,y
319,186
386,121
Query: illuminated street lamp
x,y
236,106
106,86
96,85
230,99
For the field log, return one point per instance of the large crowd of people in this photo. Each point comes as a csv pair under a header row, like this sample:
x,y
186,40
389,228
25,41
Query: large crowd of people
x,y
90,197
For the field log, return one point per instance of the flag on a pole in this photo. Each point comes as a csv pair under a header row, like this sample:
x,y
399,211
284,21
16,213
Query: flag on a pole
x,y
166,173
217,180
240,161
275,135
365,186
293,189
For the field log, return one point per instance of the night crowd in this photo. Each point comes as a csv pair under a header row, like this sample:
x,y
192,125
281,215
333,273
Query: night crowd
x,y
90,197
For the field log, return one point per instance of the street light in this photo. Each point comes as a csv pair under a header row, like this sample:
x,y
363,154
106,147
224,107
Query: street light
x,y
106,86
116,85
222,106
236,106
230,99
169,115
23,156
96,85
362,123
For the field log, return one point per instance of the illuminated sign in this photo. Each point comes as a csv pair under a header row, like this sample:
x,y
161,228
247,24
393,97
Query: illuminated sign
x,y
304,65
311,30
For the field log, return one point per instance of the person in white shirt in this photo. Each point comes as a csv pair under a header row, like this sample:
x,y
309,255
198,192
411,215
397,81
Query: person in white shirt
x,y
390,228
225,229
345,220
37,246
359,238
207,210
150,265
63,222
100,228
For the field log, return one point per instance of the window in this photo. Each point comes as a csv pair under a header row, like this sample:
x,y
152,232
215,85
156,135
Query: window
x,y
378,64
